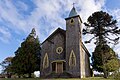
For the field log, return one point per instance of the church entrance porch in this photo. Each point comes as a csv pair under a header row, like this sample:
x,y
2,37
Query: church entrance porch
x,y
58,66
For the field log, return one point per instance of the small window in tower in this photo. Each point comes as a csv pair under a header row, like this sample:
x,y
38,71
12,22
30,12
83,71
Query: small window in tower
x,y
72,21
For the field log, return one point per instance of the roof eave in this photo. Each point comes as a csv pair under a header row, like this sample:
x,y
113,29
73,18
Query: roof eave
x,y
86,49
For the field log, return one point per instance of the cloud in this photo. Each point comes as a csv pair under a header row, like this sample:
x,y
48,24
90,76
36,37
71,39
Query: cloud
x,y
87,7
117,49
47,15
55,12
11,16
22,6
1,68
116,15
5,35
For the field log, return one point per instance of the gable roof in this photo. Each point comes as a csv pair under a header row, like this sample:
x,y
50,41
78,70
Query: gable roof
x,y
58,30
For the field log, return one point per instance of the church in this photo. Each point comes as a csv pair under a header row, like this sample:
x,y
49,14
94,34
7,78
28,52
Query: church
x,y
63,54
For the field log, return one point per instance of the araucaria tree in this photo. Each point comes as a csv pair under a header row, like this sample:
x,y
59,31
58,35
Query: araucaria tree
x,y
27,57
104,30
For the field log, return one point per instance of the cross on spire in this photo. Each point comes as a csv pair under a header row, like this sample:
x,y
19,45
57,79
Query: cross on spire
x,y
74,4
73,11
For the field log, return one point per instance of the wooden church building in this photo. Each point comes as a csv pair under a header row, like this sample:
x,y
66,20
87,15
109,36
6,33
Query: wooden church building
x,y
63,53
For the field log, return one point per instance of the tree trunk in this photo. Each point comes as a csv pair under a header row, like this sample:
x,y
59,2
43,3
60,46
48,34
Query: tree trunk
x,y
29,75
18,76
104,70
105,73
104,67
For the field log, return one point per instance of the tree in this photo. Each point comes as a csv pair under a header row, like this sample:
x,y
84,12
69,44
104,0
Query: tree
x,y
102,26
6,65
27,57
111,61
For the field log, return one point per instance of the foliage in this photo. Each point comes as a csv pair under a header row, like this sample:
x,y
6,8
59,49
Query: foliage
x,y
97,59
27,57
112,65
117,76
6,65
111,61
102,26
117,73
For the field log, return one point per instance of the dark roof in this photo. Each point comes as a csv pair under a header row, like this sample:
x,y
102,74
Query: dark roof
x,y
58,30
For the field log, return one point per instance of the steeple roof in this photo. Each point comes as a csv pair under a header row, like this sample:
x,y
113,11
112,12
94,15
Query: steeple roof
x,y
73,12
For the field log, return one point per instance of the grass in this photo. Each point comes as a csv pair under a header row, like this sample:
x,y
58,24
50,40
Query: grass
x,y
90,78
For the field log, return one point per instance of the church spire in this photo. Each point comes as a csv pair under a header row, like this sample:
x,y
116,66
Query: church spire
x,y
73,12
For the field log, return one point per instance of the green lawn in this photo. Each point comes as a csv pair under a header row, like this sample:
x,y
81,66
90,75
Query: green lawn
x,y
92,78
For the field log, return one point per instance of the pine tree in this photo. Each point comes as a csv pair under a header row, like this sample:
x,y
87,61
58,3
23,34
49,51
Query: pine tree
x,y
102,26
27,57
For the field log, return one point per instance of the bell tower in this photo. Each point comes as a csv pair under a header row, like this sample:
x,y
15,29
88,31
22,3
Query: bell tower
x,y
74,44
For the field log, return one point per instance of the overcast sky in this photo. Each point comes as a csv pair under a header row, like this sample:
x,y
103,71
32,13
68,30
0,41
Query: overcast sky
x,y
18,17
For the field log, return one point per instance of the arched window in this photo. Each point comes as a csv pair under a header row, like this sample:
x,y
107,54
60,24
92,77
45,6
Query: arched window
x,y
72,21
72,59
45,61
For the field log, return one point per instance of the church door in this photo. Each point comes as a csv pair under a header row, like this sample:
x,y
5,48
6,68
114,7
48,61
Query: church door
x,y
59,67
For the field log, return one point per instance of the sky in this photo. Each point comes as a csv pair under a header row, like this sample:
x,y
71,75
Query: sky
x,y
18,17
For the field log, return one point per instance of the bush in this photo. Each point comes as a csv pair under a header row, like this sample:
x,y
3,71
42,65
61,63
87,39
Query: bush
x,y
117,76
